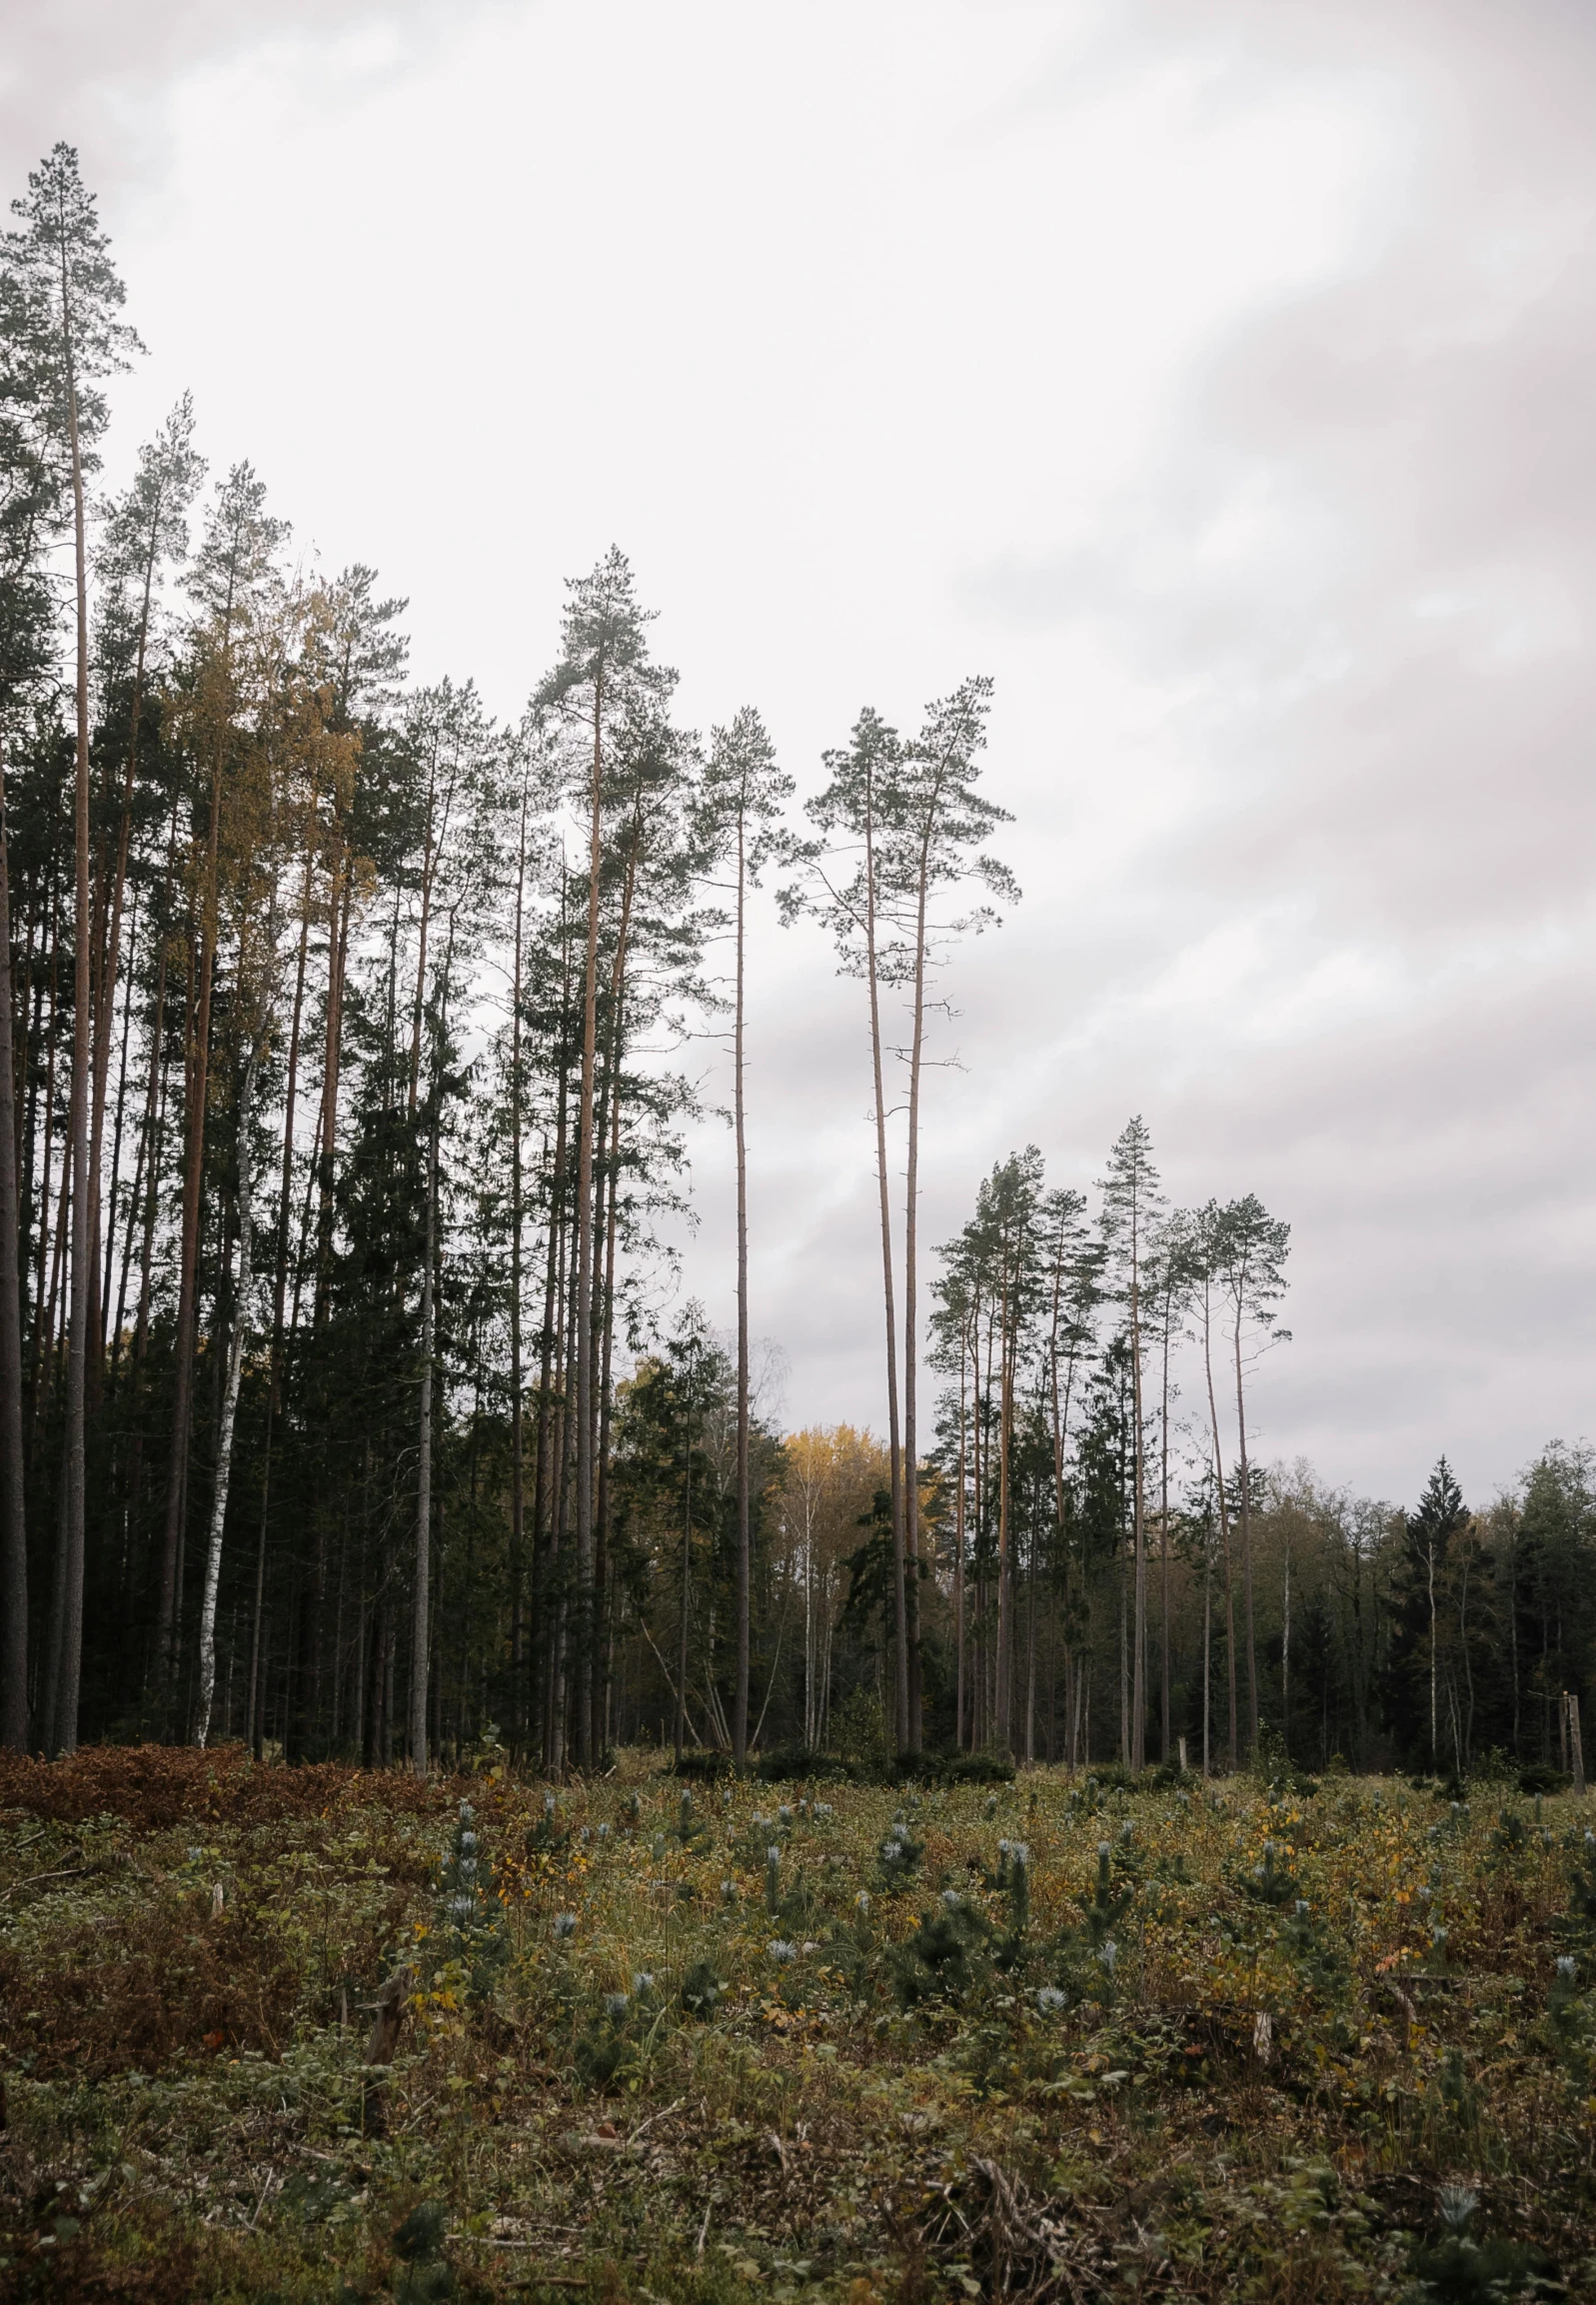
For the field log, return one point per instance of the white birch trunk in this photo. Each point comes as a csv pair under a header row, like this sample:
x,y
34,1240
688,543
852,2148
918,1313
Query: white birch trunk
x,y
224,1442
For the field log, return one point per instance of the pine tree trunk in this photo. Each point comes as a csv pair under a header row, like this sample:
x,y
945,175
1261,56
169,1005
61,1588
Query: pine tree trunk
x,y
1225,1532
958,1562
1246,1554
1207,1646
13,1506
1002,1724
105,1007
64,1728
740,1702
1139,1692
1163,1538
517,1419
686,1592
585,1611
1285,1660
43,1323
339,898
894,1437
599,1670
545,1483
104,1333
421,1620
911,1313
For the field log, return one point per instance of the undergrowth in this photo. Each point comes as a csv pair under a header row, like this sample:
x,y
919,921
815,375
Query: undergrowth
x,y
689,2040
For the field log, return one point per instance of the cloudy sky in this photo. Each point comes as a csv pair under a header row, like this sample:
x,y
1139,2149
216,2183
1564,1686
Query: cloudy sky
x,y
1217,375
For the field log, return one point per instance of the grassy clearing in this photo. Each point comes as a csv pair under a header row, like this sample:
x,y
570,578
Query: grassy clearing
x,y
1050,2039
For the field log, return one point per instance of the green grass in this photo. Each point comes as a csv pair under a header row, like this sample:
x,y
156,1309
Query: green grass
x,y
1195,2042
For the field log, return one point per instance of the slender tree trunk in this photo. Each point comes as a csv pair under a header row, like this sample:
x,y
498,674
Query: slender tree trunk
x,y
339,898
585,1597
1138,1693
1429,1561
289,1106
740,1702
1285,1657
104,1008
959,1563
1003,1706
687,1593
546,1478
421,1621
147,1168
64,1728
1207,1645
229,1413
517,1421
1164,1538
1246,1551
43,1326
197,1068
1224,1530
105,1337
13,1510
910,1306
1031,1645
599,1667
894,1437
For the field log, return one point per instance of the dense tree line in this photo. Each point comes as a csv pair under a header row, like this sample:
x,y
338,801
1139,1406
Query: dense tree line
x,y
1126,1583
341,1107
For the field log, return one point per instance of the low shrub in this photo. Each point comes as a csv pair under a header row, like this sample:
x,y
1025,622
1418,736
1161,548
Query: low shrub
x,y
986,1768
795,1764
702,1768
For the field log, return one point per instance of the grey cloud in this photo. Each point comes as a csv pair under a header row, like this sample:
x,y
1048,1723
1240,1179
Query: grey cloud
x,y
1375,718
95,72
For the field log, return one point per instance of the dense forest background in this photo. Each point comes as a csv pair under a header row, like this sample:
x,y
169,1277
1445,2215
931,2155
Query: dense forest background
x,y
349,1402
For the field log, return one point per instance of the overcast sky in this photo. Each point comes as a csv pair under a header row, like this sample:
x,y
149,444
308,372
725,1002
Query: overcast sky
x,y
1219,377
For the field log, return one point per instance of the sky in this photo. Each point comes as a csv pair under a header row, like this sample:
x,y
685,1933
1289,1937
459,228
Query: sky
x,y
1214,373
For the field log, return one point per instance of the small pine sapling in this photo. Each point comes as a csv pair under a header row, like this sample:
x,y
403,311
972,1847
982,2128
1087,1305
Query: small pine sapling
x,y
943,1954
468,1913
901,1855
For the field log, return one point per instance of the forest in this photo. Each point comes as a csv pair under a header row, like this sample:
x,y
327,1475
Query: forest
x,y
351,1405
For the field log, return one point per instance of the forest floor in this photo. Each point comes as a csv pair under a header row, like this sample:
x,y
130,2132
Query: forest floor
x,y
1053,2039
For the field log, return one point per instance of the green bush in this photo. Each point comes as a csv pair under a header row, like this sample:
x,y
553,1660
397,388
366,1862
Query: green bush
x,y
784,1764
702,1768
1542,1777
987,1768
